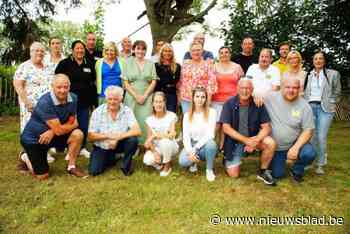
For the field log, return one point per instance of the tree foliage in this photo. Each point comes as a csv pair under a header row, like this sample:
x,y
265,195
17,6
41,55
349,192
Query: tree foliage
x,y
19,20
167,17
310,25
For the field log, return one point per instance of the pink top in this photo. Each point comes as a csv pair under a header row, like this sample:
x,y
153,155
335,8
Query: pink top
x,y
193,75
227,84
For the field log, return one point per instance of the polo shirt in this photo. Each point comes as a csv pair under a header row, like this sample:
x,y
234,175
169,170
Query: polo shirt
x,y
46,109
82,78
206,55
230,115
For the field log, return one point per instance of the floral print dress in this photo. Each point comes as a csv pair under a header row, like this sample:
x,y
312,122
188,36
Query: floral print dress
x,y
37,83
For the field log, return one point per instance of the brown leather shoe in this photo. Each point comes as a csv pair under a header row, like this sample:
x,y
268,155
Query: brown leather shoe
x,y
78,173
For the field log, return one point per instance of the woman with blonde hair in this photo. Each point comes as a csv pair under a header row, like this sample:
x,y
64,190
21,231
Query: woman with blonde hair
x,y
196,72
160,143
295,68
199,133
108,70
168,72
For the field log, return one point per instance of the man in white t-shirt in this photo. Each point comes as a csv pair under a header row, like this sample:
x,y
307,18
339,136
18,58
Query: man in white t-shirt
x,y
266,78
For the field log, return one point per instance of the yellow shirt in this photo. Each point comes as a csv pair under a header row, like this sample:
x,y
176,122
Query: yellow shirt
x,y
281,66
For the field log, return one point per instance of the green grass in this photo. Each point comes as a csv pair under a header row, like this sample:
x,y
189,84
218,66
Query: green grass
x,y
180,203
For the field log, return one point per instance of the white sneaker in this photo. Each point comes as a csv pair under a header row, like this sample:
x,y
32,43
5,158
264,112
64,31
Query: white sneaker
x,y
210,175
84,152
50,159
193,168
158,167
319,170
52,151
165,173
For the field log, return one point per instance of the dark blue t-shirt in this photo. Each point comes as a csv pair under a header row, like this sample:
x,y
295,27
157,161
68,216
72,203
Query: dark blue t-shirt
x,y
110,76
46,109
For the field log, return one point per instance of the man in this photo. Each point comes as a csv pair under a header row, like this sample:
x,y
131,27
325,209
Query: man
x,y
281,63
113,129
266,78
292,128
245,58
155,56
91,52
246,129
126,50
200,38
53,124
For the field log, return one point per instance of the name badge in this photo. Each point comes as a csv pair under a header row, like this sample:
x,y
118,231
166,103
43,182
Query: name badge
x,y
86,69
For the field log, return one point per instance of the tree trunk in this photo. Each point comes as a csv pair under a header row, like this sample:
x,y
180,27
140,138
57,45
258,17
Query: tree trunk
x,y
167,17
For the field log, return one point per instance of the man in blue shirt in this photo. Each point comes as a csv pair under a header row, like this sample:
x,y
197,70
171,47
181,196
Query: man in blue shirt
x,y
200,38
247,128
53,124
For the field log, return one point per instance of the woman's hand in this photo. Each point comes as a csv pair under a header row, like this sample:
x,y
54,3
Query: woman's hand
x,y
193,157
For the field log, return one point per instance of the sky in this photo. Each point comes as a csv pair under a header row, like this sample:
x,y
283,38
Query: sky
x,y
120,21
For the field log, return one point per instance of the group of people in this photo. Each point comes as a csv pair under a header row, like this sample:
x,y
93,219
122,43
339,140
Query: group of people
x,y
123,102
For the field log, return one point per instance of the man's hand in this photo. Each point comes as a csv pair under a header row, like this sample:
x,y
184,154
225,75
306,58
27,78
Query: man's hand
x,y
252,142
29,105
259,101
193,157
46,137
112,144
292,153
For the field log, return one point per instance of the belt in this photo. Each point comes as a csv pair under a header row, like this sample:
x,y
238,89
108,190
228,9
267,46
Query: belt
x,y
315,102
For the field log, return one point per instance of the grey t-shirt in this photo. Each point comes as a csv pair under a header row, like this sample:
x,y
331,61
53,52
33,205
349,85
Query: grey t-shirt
x,y
288,119
243,121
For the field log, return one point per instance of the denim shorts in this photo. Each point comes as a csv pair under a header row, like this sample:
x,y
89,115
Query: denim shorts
x,y
237,154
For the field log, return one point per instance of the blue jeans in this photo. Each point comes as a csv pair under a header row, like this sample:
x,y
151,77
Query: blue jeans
x,y
206,153
306,156
323,121
83,121
185,106
101,159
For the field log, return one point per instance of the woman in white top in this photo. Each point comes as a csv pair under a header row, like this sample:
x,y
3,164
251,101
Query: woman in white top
x,y
160,143
198,134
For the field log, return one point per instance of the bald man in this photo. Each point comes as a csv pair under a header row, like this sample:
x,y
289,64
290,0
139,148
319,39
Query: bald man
x,y
292,128
53,124
247,128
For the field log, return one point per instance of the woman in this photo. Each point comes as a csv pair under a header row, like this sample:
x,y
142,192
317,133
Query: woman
x,y
160,144
199,133
168,72
322,91
196,72
295,69
31,80
82,76
139,81
108,70
227,76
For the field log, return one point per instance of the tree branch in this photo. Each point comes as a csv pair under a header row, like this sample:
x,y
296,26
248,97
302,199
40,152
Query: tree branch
x,y
187,21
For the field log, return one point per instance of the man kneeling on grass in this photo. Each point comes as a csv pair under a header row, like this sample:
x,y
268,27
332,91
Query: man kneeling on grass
x,y
113,129
292,128
246,129
53,124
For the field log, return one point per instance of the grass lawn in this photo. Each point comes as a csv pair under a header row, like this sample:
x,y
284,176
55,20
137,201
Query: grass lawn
x,y
180,203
